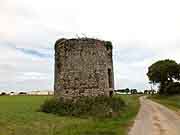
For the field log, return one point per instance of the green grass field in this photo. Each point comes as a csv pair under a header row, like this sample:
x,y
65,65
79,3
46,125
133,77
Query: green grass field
x,y
173,102
19,116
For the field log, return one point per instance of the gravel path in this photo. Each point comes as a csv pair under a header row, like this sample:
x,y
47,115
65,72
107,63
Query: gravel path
x,y
155,119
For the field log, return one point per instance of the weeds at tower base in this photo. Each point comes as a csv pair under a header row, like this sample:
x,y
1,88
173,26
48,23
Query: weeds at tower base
x,y
100,106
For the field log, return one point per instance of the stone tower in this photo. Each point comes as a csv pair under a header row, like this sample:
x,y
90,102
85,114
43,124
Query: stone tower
x,y
83,67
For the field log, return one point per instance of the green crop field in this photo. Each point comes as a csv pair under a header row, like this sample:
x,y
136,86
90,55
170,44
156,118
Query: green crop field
x,y
19,116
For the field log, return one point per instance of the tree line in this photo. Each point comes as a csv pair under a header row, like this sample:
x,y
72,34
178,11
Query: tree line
x,y
127,91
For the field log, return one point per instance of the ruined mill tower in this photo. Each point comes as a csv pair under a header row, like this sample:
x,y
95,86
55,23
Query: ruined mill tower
x,y
83,67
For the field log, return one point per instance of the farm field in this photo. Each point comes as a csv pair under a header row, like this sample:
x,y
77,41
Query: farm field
x,y
19,116
172,102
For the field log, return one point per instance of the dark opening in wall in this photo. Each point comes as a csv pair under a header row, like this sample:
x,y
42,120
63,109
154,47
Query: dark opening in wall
x,y
111,93
110,78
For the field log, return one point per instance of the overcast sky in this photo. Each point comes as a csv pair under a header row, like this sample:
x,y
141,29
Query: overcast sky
x,y
142,32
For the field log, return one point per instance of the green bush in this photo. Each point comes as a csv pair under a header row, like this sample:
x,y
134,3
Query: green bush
x,y
101,106
173,88
108,45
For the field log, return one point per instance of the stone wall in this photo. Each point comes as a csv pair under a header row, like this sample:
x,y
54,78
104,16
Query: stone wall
x,y
83,67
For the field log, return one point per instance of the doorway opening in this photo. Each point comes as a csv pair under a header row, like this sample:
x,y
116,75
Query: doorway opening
x,y
110,78
110,93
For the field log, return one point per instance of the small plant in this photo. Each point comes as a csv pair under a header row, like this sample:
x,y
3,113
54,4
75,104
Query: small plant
x,y
108,45
101,106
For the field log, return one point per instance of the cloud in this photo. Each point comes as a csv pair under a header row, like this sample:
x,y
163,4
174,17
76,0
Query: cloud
x,y
33,52
38,52
142,32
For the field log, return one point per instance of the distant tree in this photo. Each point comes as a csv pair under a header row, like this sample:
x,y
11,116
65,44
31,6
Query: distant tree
x,y
145,91
3,93
140,92
163,72
22,93
127,90
134,91
153,92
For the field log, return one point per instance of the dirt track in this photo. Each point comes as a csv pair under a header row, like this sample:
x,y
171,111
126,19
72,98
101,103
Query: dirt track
x,y
155,119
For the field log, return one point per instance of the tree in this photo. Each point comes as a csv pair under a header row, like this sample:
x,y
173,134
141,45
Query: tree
x,y
173,88
3,93
134,91
146,92
127,90
163,72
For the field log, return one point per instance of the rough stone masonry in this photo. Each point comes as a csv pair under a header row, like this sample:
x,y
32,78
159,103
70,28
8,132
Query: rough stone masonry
x,y
83,67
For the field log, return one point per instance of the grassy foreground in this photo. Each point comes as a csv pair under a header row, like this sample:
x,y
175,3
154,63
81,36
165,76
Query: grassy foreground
x,y
173,102
19,116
